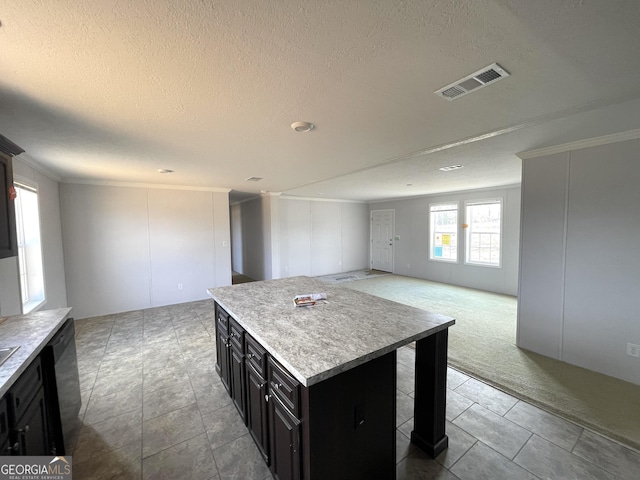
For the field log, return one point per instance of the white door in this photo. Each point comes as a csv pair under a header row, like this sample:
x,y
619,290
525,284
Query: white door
x,y
382,222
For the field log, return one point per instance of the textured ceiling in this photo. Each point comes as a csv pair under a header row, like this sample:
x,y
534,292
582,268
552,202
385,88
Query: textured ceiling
x,y
111,91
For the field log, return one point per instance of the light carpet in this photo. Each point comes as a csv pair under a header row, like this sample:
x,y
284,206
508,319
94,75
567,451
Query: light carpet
x,y
482,343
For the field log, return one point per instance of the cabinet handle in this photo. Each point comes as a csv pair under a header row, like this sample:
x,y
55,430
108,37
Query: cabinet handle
x,y
266,398
24,430
15,448
249,356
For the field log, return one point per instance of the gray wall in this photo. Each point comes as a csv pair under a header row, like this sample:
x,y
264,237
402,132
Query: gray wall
x,y
128,248
284,237
52,250
579,298
411,252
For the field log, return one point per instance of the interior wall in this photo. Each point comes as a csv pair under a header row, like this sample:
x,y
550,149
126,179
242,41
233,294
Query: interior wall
x,y
580,260
411,250
129,248
52,248
285,237
322,237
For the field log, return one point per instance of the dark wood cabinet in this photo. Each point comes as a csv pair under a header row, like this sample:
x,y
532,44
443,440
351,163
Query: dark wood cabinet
x,y
284,424
222,347
32,432
4,428
255,362
341,427
237,366
238,381
230,363
285,442
257,410
8,240
24,415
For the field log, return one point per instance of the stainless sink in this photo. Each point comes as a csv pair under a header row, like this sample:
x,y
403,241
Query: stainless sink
x,y
6,352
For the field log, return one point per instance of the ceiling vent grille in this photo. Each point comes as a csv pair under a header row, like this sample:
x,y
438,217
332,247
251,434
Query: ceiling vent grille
x,y
472,82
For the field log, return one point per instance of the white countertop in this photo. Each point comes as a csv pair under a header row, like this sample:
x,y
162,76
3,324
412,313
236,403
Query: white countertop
x,y
31,333
316,343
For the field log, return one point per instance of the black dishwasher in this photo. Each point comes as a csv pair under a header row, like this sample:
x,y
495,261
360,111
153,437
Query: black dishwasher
x,y
64,386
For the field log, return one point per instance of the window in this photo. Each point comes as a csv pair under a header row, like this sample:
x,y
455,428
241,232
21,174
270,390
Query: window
x,y
484,232
29,247
444,232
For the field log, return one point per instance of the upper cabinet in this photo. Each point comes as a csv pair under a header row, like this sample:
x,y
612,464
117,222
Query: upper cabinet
x,y
8,241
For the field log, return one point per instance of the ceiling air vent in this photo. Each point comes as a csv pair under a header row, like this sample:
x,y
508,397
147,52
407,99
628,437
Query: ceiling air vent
x,y
472,82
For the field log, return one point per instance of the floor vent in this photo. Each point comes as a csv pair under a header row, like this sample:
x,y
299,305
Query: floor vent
x,y
475,81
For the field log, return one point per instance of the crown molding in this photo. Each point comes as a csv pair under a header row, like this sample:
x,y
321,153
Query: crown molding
x,y
38,167
587,143
158,186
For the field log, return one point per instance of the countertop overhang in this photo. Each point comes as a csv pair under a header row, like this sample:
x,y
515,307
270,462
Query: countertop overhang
x,y
31,332
318,342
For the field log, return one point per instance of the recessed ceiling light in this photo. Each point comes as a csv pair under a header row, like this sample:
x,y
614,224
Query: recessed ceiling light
x,y
302,127
451,167
164,170
253,179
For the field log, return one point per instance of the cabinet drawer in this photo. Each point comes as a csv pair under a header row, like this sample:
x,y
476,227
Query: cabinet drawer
x,y
256,355
222,319
284,386
236,335
26,388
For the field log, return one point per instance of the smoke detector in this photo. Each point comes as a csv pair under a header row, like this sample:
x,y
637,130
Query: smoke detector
x,y
302,127
470,83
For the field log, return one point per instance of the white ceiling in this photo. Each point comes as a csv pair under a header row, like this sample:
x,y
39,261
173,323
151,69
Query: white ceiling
x,y
110,91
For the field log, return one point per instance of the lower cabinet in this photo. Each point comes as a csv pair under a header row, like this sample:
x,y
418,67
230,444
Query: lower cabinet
x,y
24,418
257,410
32,430
265,395
340,427
5,446
222,347
285,432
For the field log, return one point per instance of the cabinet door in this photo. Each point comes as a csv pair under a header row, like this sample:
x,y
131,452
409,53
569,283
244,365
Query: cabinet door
x,y
257,410
32,428
285,442
237,381
4,427
222,355
8,241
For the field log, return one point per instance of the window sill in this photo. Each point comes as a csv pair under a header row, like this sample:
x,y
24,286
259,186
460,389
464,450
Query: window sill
x,y
32,306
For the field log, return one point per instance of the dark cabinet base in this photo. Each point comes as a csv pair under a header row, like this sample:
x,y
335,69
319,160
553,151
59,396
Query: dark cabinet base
x,y
340,428
350,430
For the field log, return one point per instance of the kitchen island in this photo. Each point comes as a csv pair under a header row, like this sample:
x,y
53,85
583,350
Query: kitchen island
x,y
317,385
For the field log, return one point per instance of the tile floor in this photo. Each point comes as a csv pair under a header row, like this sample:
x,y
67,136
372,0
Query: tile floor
x,y
154,408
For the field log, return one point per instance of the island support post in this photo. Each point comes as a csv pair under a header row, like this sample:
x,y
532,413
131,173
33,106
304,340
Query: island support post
x,y
430,394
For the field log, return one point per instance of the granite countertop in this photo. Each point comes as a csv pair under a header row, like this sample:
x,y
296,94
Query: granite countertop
x,y
318,342
31,333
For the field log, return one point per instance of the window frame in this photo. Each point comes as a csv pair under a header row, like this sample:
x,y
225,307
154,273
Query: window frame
x,y
24,271
468,231
432,233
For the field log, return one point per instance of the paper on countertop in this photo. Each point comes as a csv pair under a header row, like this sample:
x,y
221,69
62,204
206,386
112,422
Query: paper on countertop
x,y
308,299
